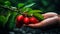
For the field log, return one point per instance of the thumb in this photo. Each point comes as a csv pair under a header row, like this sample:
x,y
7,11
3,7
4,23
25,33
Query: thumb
x,y
31,25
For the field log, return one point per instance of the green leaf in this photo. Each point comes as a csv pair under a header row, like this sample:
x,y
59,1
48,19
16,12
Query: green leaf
x,y
38,16
2,19
7,3
27,6
26,9
6,18
20,5
12,20
13,8
35,11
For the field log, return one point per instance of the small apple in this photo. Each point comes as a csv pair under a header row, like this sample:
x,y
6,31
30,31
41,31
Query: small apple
x,y
26,20
20,18
19,22
33,20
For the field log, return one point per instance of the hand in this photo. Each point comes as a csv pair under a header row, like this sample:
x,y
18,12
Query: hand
x,y
50,18
45,22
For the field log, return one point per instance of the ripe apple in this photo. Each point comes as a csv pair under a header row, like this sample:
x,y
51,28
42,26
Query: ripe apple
x,y
26,20
33,20
19,22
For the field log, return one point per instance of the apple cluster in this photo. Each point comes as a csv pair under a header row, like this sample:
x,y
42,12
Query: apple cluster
x,y
23,19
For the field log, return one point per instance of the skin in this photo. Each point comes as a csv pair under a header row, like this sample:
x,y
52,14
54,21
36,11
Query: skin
x,y
50,18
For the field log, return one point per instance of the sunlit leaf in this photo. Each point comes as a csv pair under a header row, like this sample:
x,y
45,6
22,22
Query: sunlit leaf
x,y
38,16
29,5
34,11
26,9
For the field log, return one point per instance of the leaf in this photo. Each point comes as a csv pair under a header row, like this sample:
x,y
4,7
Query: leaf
x,y
35,11
26,9
2,19
7,3
27,6
13,8
20,5
38,16
7,17
12,20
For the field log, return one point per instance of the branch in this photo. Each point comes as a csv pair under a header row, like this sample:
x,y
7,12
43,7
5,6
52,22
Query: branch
x,y
5,7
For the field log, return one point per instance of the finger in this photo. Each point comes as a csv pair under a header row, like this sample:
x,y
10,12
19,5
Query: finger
x,y
48,21
49,15
34,25
30,25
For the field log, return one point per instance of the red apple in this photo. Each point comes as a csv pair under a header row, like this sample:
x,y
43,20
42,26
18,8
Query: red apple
x,y
33,20
26,20
20,18
19,22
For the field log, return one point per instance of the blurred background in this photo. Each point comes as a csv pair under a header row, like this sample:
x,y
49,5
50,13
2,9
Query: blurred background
x,y
8,15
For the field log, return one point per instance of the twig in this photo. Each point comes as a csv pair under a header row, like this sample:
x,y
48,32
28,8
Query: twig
x,y
5,7
10,9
